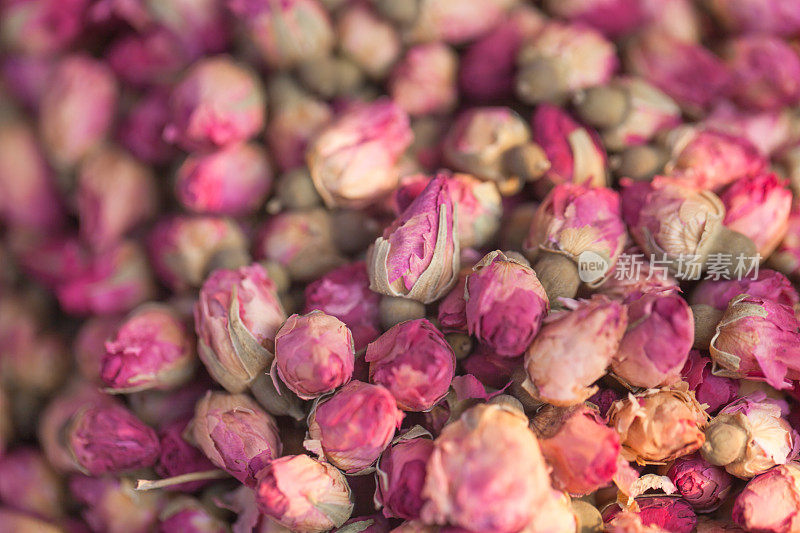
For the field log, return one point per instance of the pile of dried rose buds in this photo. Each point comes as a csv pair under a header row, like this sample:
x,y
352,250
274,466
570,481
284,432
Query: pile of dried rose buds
x,y
428,266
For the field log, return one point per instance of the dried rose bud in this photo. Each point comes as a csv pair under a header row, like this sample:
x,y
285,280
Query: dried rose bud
x,y
786,258
713,391
236,319
765,72
150,58
375,523
334,77
26,77
768,131
217,102
372,417
178,457
603,399
702,484
142,127
77,109
303,494
776,17
488,454
452,312
452,21
113,505
505,304
29,483
768,284
109,439
20,522
769,502
42,27
651,279
659,512
202,26
236,434
50,259
561,59
613,18
401,476
659,425
352,160
233,181
190,516
573,350
479,209
418,255
159,408
368,40
424,81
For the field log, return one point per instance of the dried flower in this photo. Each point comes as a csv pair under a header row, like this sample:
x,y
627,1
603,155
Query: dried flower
x,y
786,258
651,280
768,284
178,457
150,58
202,26
368,40
113,505
401,477
42,27
757,16
614,18
189,515
710,390
142,127
657,514
768,131
453,21
26,77
20,522
770,501
452,309
29,483
424,81
702,484
766,72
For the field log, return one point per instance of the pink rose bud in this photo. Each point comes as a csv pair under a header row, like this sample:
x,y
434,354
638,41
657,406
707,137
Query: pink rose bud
x,y
236,319
233,181
42,27
505,304
372,417
107,180
154,57
418,255
112,504
190,516
661,512
303,494
151,350
455,21
776,17
573,350
178,457
26,77
766,72
202,26
414,362
479,209
352,160
29,483
614,18
659,425
184,249
679,19
652,278
424,81
713,391
702,484
768,284
401,476
562,59
217,102
769,502
236,434
141,129
109,439
768,131
77,109
488,454
452,313
50,259
370,41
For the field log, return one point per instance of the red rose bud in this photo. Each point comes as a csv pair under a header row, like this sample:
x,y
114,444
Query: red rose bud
x,y
236,319
29,483
189,515
236,434
424,81
573,350
769,502
370,41
303,494
113,505
713,391
141,129
401,476
768,131
766,72
217,103
452,21
769,285
353,160
656,514
372,417
757,16
42,27
702,484
613,18
150,58
178,457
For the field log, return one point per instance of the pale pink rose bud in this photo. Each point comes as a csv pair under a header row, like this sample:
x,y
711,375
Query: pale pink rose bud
x,y
401,477
758,339
678,18
141,129
581,450
26,77
304,494
769,502
369,41
77,109
190,516
109,439
352,160
768,131
29,483
758,207
455,21
424,81
41,27
655,514
236,318
178,457
236,434
766,72
113,505
154,57
778,17
613,18
372,417
505,304
233,181
710,390
768,284
659,425
217,102
184,249
702,484
488,454
414,362
452,312
418,255
573,350
108,179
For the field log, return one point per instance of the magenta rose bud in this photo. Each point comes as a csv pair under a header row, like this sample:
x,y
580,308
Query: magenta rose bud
x,y
401,476
313,354
702,484
353,160
372,417
29,483
109,439
713,391
233,181
769,285
505,304
367,39
236,434
660,512
766,72
769,502
113,505
424,81
42,27
414,362
217,103
776,17
418,255
613,18
178,457
768,131
236,318
141,129
149,58
190,516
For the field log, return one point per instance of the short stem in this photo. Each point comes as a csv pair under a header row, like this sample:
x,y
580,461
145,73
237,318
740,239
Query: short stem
x,y
153,484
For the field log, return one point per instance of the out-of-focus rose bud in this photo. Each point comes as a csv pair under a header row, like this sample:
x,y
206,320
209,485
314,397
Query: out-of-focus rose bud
x,y
451,21
561,59
372,415
424,81
776,17
370,42
713,391
768,131
184,249
702,484
352,160
190,516
659,425
505,304
178,457
786,258
333,77
202,26
42,27
401,476
573,350
766,72
141,129
77,109
236,434
303,494
154,57
217,102
418,256
236,319
479,209
159,408
233,181
20,522
29,483
5,420
26,77
109,439
113,505
656,514
614,18
769,284
769,502
488,454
